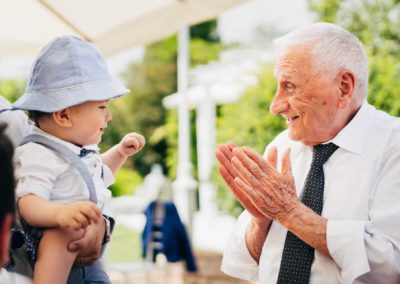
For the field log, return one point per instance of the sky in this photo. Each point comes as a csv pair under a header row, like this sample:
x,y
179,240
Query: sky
x,y
241,24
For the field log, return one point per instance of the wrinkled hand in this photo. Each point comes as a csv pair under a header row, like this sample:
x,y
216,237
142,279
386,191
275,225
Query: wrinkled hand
x,y
130,144
89,245
77,215
229,173
271,192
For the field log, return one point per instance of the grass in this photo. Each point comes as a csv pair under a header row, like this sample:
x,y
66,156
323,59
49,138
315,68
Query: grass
x,y
125,246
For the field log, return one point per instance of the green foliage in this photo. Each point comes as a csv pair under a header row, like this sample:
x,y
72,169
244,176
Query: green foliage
x,y
376,23
171,127
172,151
384,87
126,182
206,31
141,110
325,10
247,122
203,51
205,44
12,89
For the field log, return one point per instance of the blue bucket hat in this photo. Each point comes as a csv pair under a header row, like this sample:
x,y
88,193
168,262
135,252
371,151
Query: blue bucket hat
x,y
68,71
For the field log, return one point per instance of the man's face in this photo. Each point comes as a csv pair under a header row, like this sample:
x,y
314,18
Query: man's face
x,y
308,102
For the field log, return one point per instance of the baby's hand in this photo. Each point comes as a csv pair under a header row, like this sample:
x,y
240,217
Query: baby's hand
x,y
77,215
131,144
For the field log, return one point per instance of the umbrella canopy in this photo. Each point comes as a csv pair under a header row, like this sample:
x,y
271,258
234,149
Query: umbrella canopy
x,y
112,25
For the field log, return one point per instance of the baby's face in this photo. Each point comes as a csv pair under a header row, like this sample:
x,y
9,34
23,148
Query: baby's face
x,y
89,120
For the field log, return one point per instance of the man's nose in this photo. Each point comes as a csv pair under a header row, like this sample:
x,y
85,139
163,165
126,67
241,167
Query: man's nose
x,y
279,104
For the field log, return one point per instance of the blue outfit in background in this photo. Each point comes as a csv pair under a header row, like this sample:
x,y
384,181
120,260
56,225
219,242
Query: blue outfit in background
x,y
170,234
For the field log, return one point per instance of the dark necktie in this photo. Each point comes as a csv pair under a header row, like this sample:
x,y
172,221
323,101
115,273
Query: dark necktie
x,y
297,255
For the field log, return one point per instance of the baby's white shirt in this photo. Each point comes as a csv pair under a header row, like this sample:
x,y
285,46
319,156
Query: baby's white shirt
x,y
49,175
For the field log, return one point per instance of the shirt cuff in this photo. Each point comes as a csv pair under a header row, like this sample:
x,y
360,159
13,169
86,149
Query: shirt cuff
x,y
237,261
342,235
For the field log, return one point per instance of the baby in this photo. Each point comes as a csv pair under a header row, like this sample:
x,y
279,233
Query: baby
x,y
68,99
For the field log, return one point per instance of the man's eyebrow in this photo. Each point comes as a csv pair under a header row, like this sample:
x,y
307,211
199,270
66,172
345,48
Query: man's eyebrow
x,y
285,75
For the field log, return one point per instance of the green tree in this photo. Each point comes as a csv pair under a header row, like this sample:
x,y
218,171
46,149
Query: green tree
x,y
325,10
376,23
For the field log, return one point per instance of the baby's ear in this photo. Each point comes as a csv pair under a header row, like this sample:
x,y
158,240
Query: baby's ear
x,y
63,117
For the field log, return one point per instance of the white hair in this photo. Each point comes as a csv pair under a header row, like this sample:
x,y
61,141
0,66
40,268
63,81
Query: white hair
x,y
333,49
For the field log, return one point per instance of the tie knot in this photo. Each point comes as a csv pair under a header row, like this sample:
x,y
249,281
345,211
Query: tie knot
x,y
322,152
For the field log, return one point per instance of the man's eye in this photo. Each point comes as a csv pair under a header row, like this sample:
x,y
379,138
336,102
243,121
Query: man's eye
x,y
289,87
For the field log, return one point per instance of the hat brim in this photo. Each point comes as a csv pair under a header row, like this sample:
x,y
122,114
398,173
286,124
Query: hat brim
x,y
56,100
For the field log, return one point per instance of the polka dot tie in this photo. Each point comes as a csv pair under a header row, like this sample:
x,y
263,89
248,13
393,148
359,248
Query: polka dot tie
x,y
297,255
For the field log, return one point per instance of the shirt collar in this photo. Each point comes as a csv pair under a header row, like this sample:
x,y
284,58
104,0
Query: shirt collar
x,y
353,136
76,149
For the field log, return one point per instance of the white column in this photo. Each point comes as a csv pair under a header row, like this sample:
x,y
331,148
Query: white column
x,y
205,128
184,187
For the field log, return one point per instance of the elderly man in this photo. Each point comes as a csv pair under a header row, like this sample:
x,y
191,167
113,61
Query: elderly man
x,y
323,204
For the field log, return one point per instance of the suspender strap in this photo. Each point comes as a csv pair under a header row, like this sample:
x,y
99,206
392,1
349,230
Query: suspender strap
x,y
70,155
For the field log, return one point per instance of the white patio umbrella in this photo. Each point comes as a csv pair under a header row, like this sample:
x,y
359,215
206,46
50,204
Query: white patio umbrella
x,y
113,25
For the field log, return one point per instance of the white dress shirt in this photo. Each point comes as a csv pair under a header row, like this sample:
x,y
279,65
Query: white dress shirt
x,y
17,122
47,174
361,204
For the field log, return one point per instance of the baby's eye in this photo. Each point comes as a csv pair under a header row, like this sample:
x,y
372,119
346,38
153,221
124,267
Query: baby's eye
x,y
102,107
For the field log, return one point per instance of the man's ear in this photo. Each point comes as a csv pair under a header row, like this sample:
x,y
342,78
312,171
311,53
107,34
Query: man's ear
x,y
5,236
63,117
346,88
